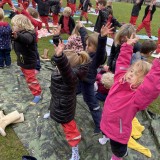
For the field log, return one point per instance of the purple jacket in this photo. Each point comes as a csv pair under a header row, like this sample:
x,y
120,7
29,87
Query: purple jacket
x,y
123,103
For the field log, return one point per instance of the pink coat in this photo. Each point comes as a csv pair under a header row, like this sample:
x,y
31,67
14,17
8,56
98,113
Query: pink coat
x,y
123,103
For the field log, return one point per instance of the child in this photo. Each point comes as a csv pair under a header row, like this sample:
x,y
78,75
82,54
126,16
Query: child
x,y
24,39
146,21
113,20
120,38
84,6
95,45
55,10
5,41
66,21
135,11
70,68
72,5
129,94
104,81
102,17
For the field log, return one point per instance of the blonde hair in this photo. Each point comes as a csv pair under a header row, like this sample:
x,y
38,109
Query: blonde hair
x,y
1,14
33,12
76,59
125,31
107,80
67,11
93,39
142,68
22,22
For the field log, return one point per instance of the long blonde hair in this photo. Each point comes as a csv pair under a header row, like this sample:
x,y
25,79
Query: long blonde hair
x,y
76,59
125,31
22,22
142,68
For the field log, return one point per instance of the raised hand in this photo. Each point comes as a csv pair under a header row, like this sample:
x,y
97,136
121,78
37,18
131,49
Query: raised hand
x,y
59,49
57,31
106,30
132,40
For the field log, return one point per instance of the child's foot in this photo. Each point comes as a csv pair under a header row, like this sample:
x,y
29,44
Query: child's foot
x,y
103,140
116,158
47,115
35,100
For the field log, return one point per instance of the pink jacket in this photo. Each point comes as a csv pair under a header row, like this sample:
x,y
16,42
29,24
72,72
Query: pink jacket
x,y
123,103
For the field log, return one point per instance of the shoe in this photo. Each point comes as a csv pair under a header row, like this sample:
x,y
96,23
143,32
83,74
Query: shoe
x,y
96,131
103,140
150,37
35,100
46,116
115,157
28,158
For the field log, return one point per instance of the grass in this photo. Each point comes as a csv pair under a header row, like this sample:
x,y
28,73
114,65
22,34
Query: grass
x,y
11,148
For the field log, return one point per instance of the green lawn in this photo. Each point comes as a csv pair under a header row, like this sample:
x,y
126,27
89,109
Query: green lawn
x,y
11,148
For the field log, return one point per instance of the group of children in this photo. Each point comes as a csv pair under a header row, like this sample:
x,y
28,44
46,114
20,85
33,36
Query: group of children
x,y
125,90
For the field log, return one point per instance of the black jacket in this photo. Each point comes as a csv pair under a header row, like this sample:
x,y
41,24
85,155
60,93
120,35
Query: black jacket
x,y
115,50
71,23
147,10
85,4
44,6
97,58
25,48
56,7
63,89
136,8
101,20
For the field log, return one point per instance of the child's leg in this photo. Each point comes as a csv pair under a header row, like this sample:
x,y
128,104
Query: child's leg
x,y
55,19
7,57
2,58
141,26
133,20
73,138
85,14
38,66
92,102
33,83
119,150
147,27
45,21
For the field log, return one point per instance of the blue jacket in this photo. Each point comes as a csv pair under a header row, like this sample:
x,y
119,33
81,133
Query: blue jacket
x,y
5,35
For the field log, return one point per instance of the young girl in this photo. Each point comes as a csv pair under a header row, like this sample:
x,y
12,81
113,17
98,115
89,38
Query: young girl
x,y
125,31
66,21
146,21
95,45
24,39
5,41
70,67
129,94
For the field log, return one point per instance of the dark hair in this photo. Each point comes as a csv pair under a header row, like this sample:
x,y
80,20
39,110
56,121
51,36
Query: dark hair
x,y
102,2
148,46
110,10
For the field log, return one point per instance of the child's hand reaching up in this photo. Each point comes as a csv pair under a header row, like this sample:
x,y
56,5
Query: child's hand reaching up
x,y
106,30
57,31
132,40
59,49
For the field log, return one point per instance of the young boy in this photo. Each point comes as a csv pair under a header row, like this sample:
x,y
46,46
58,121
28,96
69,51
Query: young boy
x,y
5,41
146,22
102,17
135,11
66,21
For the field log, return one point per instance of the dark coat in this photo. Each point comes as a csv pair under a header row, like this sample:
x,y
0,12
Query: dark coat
x,y
25,48
97,58
136,8
115,50
63,89
101,20
44,6
55,8
85,4
71,23
147,10
71,1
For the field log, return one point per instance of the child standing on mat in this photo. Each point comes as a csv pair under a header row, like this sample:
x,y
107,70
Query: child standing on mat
x,y
135,11
95,45
146,21
70,67
5,41
129,94
24,39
